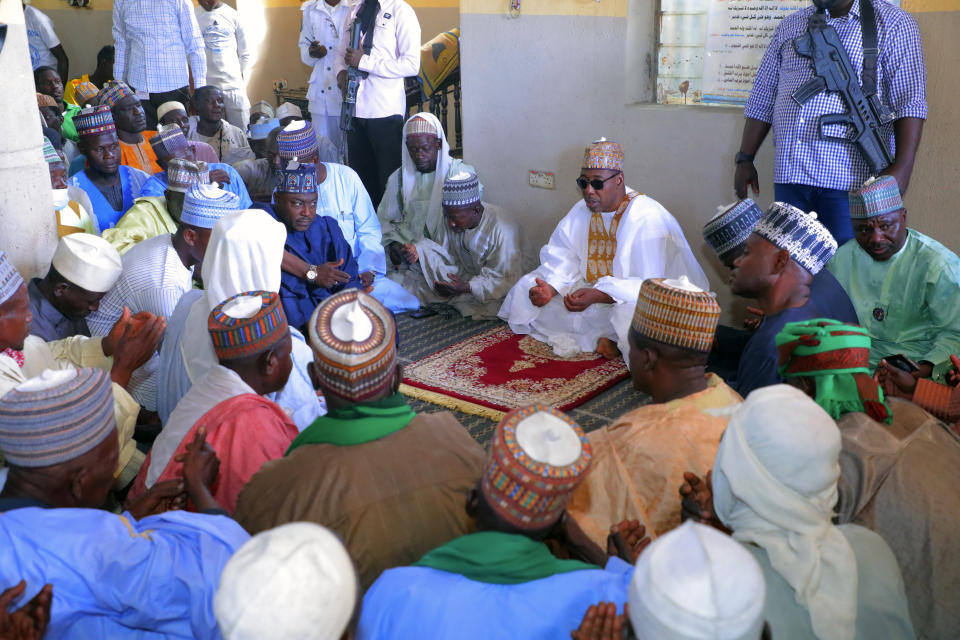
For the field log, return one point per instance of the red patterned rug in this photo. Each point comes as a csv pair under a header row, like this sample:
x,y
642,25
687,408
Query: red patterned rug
x,y
497,370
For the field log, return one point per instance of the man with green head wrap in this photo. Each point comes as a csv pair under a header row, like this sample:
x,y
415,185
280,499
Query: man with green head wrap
x,y
833,358
897,464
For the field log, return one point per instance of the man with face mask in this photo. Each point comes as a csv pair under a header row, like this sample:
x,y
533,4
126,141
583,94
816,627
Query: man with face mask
x,y
71,203
581,297
84,268
903,284
811,173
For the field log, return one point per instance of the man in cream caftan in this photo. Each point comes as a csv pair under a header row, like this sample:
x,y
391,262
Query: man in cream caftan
x,y
475,257
582,295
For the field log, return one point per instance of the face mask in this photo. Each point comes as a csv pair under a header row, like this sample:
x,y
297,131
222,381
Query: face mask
x,y
60,199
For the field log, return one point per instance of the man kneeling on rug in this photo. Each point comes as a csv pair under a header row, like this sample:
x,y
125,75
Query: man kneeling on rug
x,y
475,257
639,460
581,296
389,481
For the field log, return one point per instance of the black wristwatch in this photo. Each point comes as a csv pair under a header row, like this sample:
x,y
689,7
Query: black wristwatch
x,y
743,157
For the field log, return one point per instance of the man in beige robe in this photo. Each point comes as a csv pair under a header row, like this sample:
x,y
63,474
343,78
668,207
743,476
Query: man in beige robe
x,y
639,460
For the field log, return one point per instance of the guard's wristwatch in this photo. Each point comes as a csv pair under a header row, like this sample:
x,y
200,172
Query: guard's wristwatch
x,y
311,274
743,157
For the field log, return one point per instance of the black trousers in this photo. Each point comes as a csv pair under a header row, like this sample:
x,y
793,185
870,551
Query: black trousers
x,y
181,95
374,147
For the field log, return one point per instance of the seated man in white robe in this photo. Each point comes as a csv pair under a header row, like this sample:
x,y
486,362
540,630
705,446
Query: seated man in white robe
x,y
411,208
475,258
581,297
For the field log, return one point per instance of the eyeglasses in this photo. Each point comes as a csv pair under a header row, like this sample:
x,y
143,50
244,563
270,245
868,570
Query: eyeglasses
x,y
596,183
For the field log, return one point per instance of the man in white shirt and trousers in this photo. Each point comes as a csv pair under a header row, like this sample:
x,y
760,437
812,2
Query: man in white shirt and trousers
x,y
228,57
324,23
582,296
391,33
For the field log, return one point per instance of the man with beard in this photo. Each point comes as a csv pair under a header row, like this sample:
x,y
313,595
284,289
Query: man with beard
x,y
209,126
131,123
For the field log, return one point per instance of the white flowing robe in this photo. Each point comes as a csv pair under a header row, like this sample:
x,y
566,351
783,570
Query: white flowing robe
x,y
487,257
650,244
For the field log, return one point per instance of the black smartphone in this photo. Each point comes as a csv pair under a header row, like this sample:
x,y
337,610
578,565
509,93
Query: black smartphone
x,y
902,362
423,312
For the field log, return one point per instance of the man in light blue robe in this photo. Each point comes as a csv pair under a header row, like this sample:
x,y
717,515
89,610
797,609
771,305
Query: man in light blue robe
x,y
129,575
503,581
244,254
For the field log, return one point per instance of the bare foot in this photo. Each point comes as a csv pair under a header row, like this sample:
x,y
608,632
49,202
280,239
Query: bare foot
x,y
608,349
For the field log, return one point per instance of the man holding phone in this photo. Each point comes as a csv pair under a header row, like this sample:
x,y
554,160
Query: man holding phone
x,y
324,22
903,284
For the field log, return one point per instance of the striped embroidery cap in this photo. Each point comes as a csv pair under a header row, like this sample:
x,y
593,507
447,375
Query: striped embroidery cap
x,y
538,456
94,121
297,140
809,243
56,416
114,92
461,190
677,313
603,154
877,196
10,279
354,344
247,324
731,227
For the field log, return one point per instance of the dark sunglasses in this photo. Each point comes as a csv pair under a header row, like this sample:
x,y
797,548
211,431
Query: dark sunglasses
x,y
596,183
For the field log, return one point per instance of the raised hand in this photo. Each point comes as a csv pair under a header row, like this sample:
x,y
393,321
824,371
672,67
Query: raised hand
x,y
200,470
697,501
601,622
541,293
627,540
132,341
30,621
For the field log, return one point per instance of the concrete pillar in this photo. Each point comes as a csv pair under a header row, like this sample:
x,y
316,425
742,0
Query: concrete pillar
x,y
28,230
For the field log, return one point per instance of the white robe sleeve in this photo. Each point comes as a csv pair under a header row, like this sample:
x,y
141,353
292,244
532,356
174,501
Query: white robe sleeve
x,y
501,265
368,245
561,262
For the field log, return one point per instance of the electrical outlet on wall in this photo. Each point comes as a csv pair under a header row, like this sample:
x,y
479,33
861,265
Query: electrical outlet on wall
x,y
541,179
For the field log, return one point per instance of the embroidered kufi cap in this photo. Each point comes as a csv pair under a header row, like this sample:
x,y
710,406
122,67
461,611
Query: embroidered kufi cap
x,y
43,100
84,92
809,243
297,140
50,154
417,125
288,109
56,416
204,204
183,174
297,178
677,313
88,261
696,583
10,279
247,324
167,107
263,107
94,121
114,92
537,458
877,196
292,581
354,344
169,140
729,229
603,154
461,190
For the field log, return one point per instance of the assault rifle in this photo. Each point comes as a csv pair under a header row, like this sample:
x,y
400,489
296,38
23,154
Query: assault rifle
x,y
865,113
349,106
